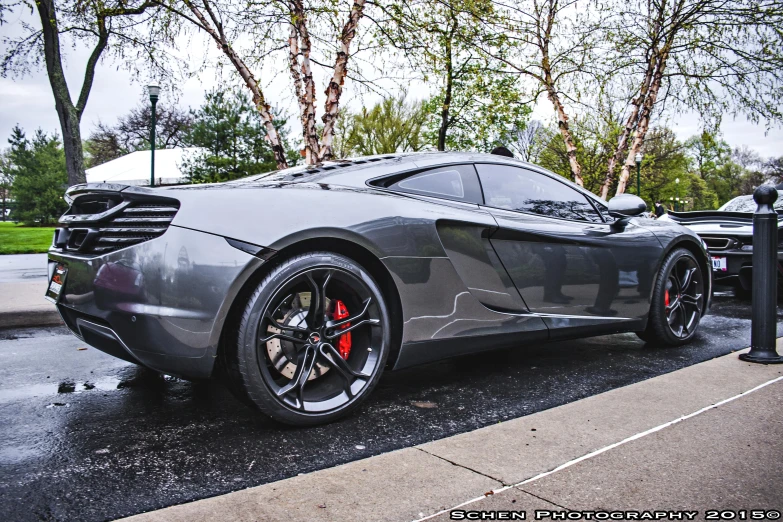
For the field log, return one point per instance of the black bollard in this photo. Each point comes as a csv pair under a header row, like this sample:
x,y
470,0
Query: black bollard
x,y
763,328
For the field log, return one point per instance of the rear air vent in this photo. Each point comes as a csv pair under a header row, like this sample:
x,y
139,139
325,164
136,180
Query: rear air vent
x,y
119,222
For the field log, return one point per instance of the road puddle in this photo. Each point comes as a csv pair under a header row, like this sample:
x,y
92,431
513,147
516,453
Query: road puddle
x,y
51,389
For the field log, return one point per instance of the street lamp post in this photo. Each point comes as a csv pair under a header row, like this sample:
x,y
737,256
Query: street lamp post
x,y
677,199
638,174
154,92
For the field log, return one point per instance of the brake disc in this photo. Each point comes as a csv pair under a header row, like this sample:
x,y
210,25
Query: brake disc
x,y
283,353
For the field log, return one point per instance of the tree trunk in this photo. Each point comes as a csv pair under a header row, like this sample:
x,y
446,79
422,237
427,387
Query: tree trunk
x,y
302,77
308,116
446,107
543,40
622,144
335,87
630,123
644,122
293,67
565,132
66,111
264,109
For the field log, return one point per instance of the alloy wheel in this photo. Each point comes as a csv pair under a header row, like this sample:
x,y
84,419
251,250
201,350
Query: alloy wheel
x,y
683,301
319,340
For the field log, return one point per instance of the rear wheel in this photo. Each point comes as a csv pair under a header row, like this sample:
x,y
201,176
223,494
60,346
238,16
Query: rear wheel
x,y
677,302
313,340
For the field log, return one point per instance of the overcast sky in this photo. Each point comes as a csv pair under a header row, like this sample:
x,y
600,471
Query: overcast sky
x,y
28,102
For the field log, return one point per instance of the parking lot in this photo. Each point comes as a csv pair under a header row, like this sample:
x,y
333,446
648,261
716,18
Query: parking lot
x,y
88,436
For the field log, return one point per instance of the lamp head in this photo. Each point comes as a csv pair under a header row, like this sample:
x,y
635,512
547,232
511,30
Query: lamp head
x,y
154,92
638,158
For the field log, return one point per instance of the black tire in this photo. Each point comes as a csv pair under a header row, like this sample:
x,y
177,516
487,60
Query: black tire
x,y
740,292
334,386
677,301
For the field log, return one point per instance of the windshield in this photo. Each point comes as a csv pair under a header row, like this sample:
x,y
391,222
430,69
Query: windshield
x,y
746,204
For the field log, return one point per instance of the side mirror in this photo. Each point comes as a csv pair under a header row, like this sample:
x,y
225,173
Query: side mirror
x,y
624,207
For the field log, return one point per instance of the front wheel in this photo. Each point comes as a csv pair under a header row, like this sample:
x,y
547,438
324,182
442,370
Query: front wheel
x,y
677,301
313,340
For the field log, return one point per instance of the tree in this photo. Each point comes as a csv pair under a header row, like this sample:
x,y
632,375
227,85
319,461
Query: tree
x,y
726,173
553,43
773,168
528,141
590,137
666,172
274,27
391,125
231,133
106,25
40,177
474,103
300,44
132,133
708,152
709,56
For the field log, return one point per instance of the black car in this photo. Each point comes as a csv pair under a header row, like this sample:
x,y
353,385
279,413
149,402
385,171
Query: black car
x,y
728,233
301,286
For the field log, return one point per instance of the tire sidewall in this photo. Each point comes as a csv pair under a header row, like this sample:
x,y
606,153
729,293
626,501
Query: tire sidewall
x,y
248,356
658,328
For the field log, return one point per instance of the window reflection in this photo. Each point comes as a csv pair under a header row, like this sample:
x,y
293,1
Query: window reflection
x,y
518,189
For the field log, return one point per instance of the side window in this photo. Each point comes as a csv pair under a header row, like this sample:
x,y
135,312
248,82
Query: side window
x,y
457,182
514,188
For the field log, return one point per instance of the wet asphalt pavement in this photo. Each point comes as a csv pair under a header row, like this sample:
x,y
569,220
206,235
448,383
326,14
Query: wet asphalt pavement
x,y
89,437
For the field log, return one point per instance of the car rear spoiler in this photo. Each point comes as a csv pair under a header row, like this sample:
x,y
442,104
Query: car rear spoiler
x,y
715,216
89,188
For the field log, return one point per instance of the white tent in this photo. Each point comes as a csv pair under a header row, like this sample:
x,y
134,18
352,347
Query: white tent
x,y
134,168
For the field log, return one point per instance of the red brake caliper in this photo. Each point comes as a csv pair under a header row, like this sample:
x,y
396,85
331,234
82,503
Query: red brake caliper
x,y
666,298
344,343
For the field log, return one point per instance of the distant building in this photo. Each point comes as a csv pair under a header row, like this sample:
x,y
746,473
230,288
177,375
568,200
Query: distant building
x,y
134,168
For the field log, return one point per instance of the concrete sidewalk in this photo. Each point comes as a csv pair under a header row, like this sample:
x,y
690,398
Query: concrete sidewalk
x,y
709,436
23,280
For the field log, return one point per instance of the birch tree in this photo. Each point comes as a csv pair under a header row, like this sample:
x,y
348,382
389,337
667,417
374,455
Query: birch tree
x,y
224,23
714,57
113,28
554,44
304,35
300,48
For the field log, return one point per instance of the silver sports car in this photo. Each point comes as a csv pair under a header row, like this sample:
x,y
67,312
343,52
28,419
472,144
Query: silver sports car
x,y
301,286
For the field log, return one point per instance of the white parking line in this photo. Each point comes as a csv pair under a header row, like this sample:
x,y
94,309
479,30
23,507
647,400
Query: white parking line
x,y
605,449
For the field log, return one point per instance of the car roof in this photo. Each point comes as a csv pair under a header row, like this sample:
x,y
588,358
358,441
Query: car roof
x,y
357,171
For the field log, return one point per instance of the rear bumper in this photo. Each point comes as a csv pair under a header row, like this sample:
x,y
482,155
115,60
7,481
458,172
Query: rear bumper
x,y
739,268
161,303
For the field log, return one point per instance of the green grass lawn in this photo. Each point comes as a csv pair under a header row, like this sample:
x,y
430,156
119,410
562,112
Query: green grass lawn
x,y
18,239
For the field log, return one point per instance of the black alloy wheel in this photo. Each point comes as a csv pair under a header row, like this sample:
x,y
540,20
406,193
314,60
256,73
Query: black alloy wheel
x,y
678,301
313,340
683,297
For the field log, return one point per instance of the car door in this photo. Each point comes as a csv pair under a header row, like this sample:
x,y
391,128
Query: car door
x,y
465,237
561,252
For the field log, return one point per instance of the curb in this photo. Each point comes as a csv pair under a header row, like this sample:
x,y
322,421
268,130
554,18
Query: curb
x,y
30,318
